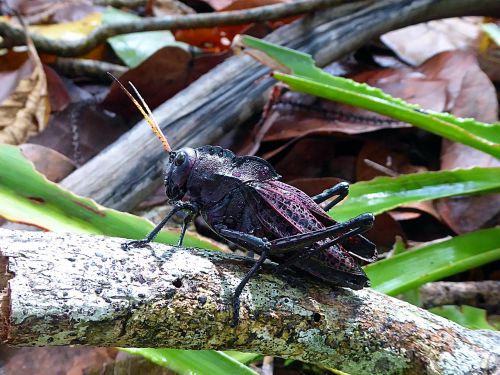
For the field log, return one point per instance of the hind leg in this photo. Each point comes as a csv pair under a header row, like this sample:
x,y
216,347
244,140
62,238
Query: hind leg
x,y
289,245
316,249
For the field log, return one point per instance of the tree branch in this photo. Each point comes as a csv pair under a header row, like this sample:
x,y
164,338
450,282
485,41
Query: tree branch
x,y
62,289
87,68
483,294
13,36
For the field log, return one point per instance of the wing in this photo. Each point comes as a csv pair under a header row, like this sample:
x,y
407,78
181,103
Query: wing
x,y
285,207
300,211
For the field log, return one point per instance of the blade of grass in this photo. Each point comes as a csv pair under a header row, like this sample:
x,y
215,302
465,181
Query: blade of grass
x,y
199,362
310,79
27,196
434,261
385,193
244,358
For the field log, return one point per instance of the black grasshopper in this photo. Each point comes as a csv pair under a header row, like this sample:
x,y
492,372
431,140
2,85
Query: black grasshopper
x,y
243,201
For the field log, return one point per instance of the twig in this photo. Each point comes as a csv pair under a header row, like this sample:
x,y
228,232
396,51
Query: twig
x,y
13,36
381,168
483,294
66,289
88,68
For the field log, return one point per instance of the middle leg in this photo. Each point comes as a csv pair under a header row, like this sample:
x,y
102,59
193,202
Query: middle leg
x,y
251,243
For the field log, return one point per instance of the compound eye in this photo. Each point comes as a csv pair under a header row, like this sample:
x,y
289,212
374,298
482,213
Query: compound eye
x,y
179,159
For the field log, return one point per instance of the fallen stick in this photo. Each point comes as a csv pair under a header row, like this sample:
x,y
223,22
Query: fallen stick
x,y
483,294
131,168
73,289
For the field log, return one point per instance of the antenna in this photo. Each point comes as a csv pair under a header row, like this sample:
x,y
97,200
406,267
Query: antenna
x,y
148,115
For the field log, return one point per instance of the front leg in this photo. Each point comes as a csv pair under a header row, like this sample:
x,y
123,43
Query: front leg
x,y
178,206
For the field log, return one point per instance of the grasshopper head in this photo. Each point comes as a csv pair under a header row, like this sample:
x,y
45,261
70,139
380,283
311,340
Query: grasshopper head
x,y
179,166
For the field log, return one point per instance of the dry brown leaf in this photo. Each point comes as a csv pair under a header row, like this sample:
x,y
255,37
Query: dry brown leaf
x,y
25,111
415,44
316,156
10,78
471,94
45,11
128,364
178,69
81,131
52,164
392,156
54,360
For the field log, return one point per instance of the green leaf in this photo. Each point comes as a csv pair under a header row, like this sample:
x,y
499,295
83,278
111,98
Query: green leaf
x,y
467,316
385,193
311,80
134,48
434,261
199,362
245,358
27,196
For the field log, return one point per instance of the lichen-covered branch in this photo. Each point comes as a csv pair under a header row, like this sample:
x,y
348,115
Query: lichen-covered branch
x,y
13,36
61,289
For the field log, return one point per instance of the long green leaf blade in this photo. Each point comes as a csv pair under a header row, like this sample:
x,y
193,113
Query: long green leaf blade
x,y
199,362
27,196
385,193
484,137
434,261
310,79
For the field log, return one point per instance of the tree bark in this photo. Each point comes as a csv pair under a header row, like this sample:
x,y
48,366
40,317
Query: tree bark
x,y
131,168
67,289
